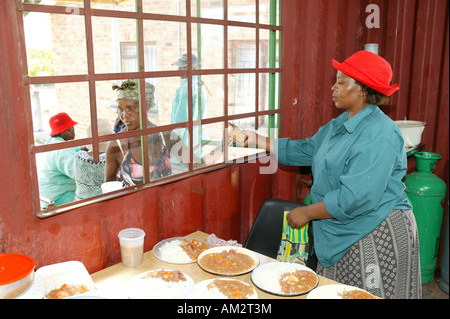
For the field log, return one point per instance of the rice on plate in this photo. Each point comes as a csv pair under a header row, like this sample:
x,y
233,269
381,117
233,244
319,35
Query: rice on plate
x,y
151,285
179,250
207,289
172,251
267,277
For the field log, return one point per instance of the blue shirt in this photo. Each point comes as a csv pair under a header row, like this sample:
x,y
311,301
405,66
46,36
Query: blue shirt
x,y
180,112
56,174
358,165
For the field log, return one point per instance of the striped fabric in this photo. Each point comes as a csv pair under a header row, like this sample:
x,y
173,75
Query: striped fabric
x,y
294,245
385,262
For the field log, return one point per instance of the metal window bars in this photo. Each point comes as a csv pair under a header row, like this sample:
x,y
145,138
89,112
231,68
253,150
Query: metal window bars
x,y
92,77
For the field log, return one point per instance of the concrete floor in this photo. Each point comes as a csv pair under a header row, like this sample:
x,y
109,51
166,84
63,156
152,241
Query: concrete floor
x,y
432,290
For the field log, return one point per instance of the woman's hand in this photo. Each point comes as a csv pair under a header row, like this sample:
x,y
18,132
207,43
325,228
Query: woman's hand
x,y
238,136
252,138
298,218
249,139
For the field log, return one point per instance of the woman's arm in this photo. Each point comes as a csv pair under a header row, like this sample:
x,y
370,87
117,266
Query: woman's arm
x,y
253,139
113,153
260,141
300,216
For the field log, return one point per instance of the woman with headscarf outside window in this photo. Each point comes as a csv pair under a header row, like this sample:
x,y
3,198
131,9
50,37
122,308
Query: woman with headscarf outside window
x,y
124,156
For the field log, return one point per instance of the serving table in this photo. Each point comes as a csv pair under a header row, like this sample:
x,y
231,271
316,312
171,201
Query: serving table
x,y
111,282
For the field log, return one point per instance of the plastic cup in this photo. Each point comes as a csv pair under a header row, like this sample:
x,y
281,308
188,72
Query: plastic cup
x,y
131,246
111,186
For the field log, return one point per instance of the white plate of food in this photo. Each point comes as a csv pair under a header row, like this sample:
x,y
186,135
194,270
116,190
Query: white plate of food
x,y
66,279
179,250
228,260
223,288
160,284
339,291
285,279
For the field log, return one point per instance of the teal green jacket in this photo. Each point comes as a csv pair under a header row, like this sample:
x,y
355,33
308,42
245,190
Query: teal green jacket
x,y
180,112
358,165
56,174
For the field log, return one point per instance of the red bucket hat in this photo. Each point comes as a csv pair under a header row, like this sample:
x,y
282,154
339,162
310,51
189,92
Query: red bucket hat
x,y
60,123
370,69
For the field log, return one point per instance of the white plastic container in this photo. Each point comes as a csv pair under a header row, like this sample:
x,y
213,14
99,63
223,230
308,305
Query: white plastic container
x,y
111,186
411,132
16,274
132,246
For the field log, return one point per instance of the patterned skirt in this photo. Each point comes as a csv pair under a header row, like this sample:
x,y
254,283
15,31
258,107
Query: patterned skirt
x,y
385,262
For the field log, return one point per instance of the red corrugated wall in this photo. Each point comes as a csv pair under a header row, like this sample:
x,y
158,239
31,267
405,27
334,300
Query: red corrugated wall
x,y
413,36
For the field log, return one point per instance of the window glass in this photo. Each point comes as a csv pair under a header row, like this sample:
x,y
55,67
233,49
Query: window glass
x,y
56,120
268,92
241,47
264,11
242,10
122,5
207,41
56,44
213,96
72,3
115,46
213,143
264,38
172,7
263,91
211,9
131,170
106,100
238,154
50,99
170,41
241,93
96,71
166,88
268,125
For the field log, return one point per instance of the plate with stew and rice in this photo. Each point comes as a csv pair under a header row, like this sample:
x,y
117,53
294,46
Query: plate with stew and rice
x,y
228,260
66,279
339,291
179,250
223,288
285,279
160,284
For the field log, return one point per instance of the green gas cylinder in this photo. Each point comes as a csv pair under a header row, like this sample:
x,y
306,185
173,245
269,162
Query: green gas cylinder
x,y
307,200
426,192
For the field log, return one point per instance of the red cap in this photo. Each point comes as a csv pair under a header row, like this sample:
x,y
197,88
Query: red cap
x,y
14,267
370,69
60,123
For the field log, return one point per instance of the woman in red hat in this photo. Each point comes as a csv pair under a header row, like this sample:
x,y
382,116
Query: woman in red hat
x,y
56,177
364,232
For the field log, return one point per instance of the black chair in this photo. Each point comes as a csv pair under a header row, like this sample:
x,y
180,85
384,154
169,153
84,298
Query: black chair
x,y
265,234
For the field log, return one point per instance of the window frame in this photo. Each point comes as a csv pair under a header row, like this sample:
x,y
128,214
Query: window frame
x,y
92,77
